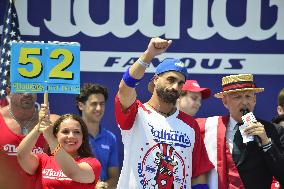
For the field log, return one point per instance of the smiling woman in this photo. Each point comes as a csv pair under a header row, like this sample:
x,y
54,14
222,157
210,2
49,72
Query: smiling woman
x,y
69,163
72,134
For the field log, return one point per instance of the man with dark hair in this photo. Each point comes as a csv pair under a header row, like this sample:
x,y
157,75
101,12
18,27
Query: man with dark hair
x,y
279,119
163,147
91,105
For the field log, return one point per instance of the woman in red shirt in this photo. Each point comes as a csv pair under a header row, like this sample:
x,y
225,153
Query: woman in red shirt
x,y
70,164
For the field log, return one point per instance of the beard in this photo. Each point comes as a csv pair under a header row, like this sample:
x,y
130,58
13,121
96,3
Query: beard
x,y
167,96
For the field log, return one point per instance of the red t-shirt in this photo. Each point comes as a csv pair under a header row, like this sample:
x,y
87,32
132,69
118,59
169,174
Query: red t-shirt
x,y
12,176
50,176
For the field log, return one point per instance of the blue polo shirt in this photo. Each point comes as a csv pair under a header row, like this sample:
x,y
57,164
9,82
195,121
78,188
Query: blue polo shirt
x,y
104,147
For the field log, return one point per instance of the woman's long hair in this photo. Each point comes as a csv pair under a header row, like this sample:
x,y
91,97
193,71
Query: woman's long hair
x,y
85,149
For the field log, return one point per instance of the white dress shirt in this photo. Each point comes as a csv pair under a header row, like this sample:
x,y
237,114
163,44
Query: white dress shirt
x,y
230,132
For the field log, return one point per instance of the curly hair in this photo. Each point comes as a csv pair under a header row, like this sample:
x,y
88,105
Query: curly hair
x,y
89,89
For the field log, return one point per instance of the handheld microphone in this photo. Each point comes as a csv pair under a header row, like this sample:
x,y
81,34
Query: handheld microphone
x,y
244,111
252,119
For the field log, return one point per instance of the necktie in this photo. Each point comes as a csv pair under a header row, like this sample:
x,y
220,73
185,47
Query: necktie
x,y
238,145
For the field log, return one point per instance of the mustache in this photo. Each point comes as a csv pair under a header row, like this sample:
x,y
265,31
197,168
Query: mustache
x,y
174,92
28,97
168,96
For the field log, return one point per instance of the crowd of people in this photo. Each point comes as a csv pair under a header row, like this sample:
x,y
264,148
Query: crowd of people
x,y
43,150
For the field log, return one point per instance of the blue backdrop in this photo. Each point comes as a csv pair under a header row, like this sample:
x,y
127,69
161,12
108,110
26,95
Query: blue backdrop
x,y
214,38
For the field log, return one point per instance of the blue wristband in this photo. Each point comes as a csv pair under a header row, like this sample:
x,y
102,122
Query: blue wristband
x,y
200,186
129,80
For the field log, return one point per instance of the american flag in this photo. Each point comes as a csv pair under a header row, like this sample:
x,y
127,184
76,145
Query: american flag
x,y
10,32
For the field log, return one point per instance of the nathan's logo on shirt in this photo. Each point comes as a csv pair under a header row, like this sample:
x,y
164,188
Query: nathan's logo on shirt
x,y
11,149
162,167
172,137
54,175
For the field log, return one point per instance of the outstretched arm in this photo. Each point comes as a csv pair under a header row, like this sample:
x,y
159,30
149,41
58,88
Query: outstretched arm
x,y
127,93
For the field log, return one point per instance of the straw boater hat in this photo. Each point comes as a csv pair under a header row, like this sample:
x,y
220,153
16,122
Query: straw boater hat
x,y
235,83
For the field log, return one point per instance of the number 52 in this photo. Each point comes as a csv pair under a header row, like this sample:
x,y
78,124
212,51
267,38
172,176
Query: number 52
x,y
57,72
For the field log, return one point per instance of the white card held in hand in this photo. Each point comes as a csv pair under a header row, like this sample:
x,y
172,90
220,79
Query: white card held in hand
x,y
248,118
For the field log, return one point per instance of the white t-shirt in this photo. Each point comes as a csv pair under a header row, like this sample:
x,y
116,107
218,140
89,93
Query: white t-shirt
x,y
159,152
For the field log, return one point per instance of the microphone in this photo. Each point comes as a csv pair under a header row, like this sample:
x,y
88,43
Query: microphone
x,y
244,111
250,118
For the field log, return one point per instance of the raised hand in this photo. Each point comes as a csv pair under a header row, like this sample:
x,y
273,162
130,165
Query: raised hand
x,y
43,112
158,46
45,125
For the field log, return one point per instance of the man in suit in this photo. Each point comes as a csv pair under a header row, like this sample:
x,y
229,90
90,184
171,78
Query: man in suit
x,y
249,165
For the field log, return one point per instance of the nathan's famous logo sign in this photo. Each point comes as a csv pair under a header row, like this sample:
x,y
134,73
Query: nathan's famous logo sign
x,y
210,37
72,17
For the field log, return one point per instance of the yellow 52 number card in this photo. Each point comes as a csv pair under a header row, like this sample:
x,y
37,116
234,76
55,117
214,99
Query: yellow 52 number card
x,y
52,67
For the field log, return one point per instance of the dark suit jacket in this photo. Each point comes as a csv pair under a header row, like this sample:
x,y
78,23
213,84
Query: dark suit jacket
x,y
257,167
